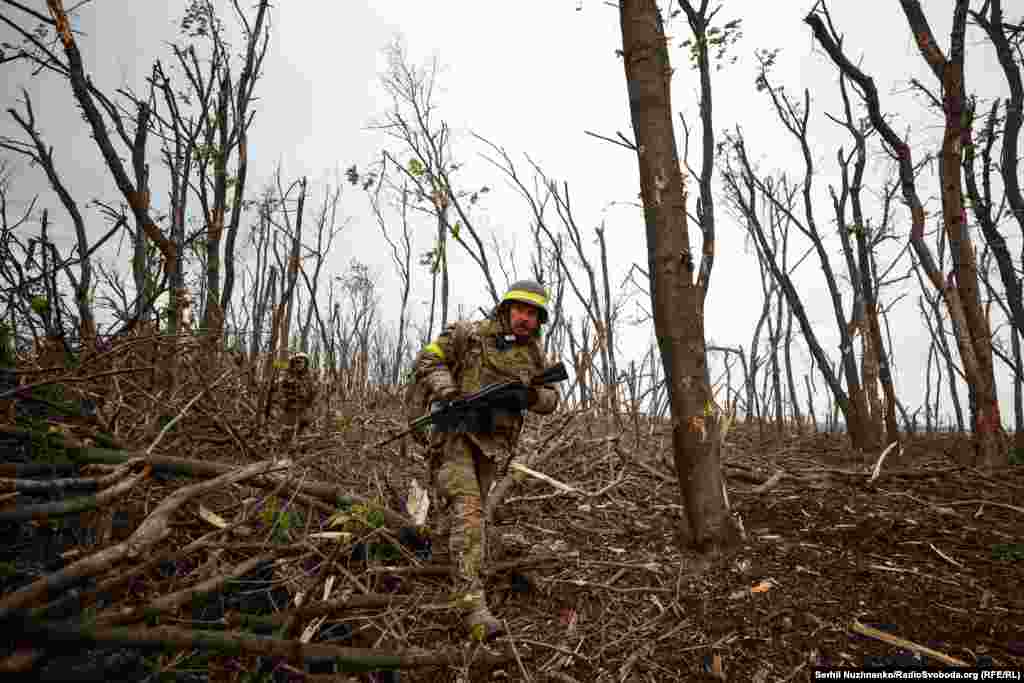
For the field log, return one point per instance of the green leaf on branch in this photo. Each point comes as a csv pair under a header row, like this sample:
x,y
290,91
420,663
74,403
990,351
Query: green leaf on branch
x,y
40,305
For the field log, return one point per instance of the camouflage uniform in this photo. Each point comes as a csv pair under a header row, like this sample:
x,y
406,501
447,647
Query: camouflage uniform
x,y
463,465
297,393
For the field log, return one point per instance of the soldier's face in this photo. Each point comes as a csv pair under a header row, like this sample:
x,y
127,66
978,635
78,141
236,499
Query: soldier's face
x,y
523,318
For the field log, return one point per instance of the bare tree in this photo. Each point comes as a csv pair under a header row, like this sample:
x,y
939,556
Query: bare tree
x,y
264,273
327,228
936,323
360,290
547,261
401,257
1011,358
294,237
676,299
221,129
743,188
874,359
95,106
42,154
997,30
430,168
795,117
960,291
705,37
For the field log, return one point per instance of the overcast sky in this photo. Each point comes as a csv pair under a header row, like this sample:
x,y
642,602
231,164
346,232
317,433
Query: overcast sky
x,y
530,76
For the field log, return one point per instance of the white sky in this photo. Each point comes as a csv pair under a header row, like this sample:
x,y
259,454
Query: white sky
x,y
530,76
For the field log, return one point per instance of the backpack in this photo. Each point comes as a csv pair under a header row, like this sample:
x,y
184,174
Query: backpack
x,y
417,395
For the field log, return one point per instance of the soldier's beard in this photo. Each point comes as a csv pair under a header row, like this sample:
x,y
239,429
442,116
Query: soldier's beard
x,y
522,333
520,328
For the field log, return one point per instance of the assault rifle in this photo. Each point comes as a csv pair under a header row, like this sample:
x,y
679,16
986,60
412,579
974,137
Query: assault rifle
x,y
475,412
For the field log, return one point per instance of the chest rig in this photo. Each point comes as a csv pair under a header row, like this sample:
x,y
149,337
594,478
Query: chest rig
x,y
493,356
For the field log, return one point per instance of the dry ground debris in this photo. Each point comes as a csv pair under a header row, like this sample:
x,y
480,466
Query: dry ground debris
x,y
178,531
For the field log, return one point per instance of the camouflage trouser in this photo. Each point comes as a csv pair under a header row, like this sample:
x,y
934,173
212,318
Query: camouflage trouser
x,y
463,476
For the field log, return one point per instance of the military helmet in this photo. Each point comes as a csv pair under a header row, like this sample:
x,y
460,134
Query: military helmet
x,y
529,292
299,356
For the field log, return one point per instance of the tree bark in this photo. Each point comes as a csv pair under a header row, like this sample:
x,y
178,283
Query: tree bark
x,y
676,300
1018,396
987,421
797,416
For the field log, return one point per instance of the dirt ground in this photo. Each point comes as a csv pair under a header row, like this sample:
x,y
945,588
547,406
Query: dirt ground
x,y
931,552
593,587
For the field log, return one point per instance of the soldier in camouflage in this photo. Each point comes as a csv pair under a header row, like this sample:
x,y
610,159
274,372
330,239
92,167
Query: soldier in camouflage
x,y
463,359
297,393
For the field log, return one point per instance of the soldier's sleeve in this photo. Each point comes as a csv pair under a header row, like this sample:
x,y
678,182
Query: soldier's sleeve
x,y
547,400
434,364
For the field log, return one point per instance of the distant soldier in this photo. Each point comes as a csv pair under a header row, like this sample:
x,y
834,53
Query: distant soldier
x,y
463,359
296,394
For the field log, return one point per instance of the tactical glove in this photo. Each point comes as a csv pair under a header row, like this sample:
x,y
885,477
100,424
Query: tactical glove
x,y
515,398
436,406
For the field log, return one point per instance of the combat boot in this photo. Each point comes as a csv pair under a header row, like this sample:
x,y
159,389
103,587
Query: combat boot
x,y
483,626
480,623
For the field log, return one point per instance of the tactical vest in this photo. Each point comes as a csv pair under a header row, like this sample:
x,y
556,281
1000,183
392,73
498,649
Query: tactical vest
x,y
490,358
482,357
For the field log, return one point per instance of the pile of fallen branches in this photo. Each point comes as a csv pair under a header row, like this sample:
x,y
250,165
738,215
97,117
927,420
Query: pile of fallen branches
x,y
235,548
217,546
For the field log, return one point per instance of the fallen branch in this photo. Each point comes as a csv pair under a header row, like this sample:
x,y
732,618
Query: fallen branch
x,y
877,470
60,486
19,470
152,530
167,427
565,488
205,468
979,501
172,601
172,638
497,494
650,469
107,586
946,557
68,379
770,484
905,473
870,632
46,511
447,569
332,608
